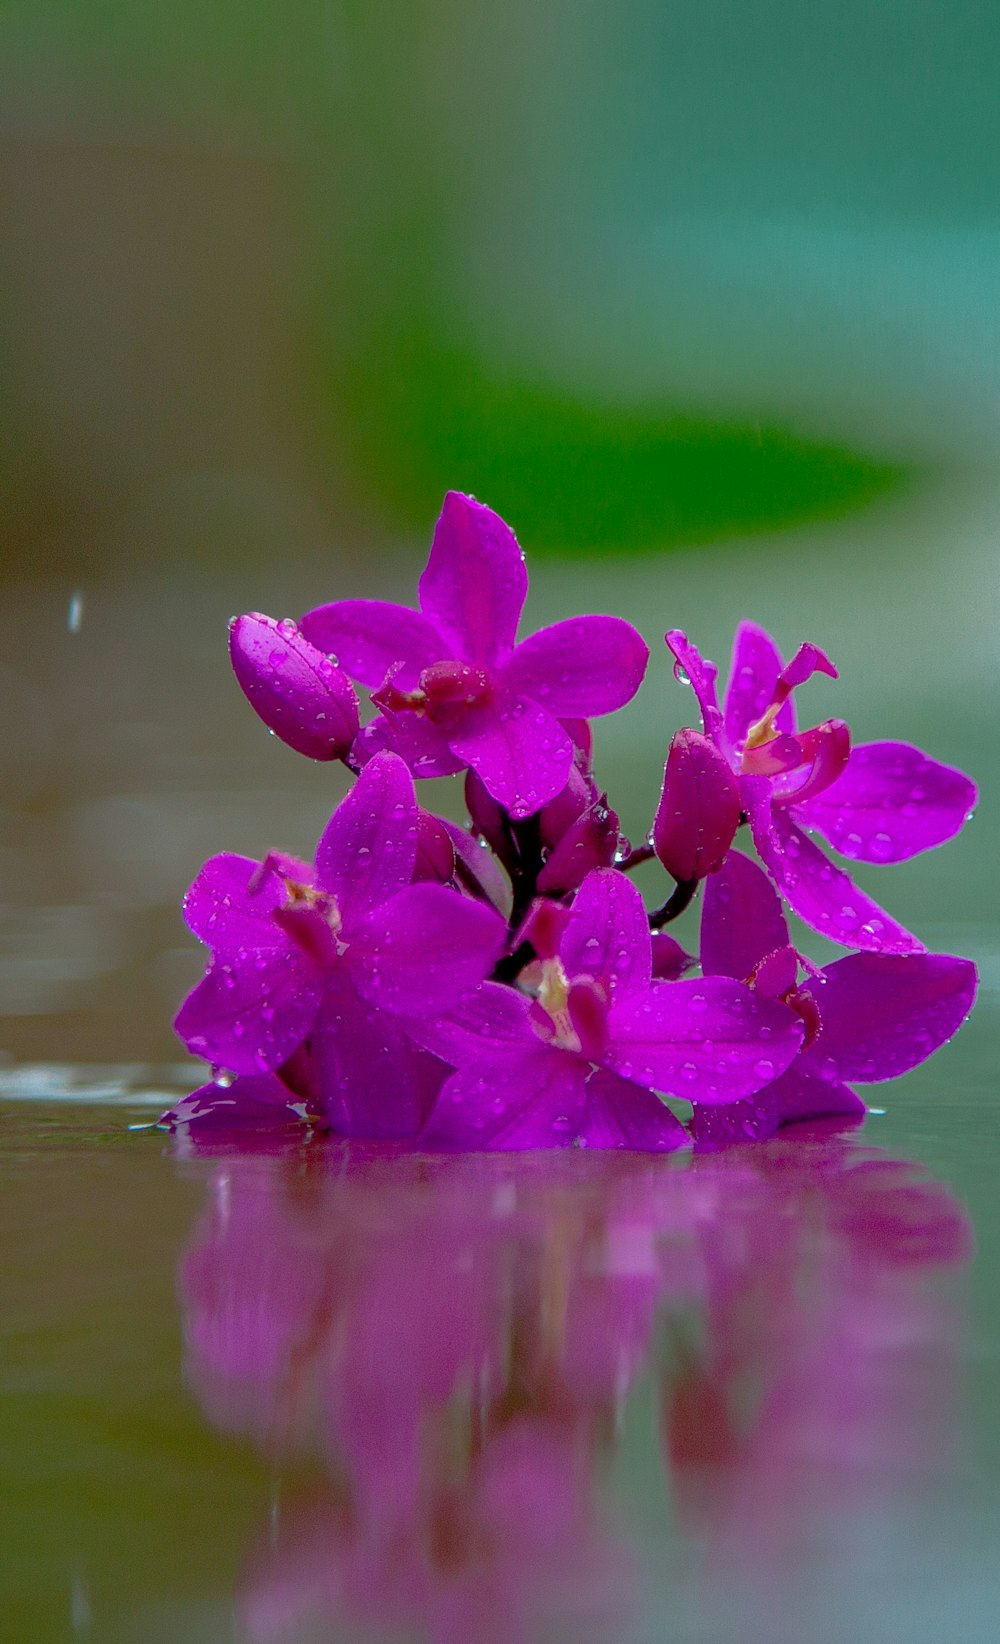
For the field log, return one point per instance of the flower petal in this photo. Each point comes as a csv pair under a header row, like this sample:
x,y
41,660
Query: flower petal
x,y
476,865
719,1124
231,903
423,747
741,919
619,1113
530,1099
607,935
882,1014
796,1096
475,582
891,802
491,1022
828,746
824,896
423,949
300,694
253,1101
670,960
802,1094
590,842
370,636
519,751
250,1015
691,668
372,1079
584,666
369,846
753,674
709,1041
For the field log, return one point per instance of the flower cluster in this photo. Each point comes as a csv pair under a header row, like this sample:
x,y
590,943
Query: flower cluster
x,y
503,985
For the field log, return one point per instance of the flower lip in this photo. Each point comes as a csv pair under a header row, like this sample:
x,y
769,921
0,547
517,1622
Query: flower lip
x,y
454,684
808,660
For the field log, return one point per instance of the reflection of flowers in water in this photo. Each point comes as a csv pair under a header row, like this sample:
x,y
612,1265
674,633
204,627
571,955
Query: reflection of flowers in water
x,y
458,1340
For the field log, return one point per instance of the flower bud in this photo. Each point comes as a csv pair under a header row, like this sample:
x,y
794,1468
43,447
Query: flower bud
x,y
699,809
300,694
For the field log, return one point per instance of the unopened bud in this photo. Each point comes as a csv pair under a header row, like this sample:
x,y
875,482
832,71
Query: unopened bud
x,y
300,694
699,809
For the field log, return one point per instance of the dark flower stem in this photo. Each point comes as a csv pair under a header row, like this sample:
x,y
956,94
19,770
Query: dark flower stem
x,y
675,904
527,839
641,853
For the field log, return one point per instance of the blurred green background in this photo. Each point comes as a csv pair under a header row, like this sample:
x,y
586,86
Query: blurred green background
x,y
274,276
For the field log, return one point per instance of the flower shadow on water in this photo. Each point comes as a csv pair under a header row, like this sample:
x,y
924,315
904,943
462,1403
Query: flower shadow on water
x,y
456,1341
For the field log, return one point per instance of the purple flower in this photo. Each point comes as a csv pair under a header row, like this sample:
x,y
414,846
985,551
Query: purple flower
x,y
868,1017
877,802
455,689
579,1064
300,694
343,955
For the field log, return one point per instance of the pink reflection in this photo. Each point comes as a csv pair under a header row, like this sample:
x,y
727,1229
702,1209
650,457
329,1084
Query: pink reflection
x,y
456,1342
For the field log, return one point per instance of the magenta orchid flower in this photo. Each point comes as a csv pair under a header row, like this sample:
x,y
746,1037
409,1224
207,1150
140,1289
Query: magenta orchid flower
x,y
867,1017
455,689
579,1064
876,802
342,955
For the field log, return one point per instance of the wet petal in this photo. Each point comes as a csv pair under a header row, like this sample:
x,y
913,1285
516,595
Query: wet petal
x,y
250,1015
607,934
699,809
794,1097
252,1101
587,1007
590,842
584,666
370,636
670,960
890,803
422,950
423,747
808,660
753,1119
373,1080
753,675
824,896
231,903
475,582
695,670
618,1113
369,846
741,919
882,1014
531,1099
477,863
828,746
519,751
802,1094
435,851
709,1041
300,694
491,1022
